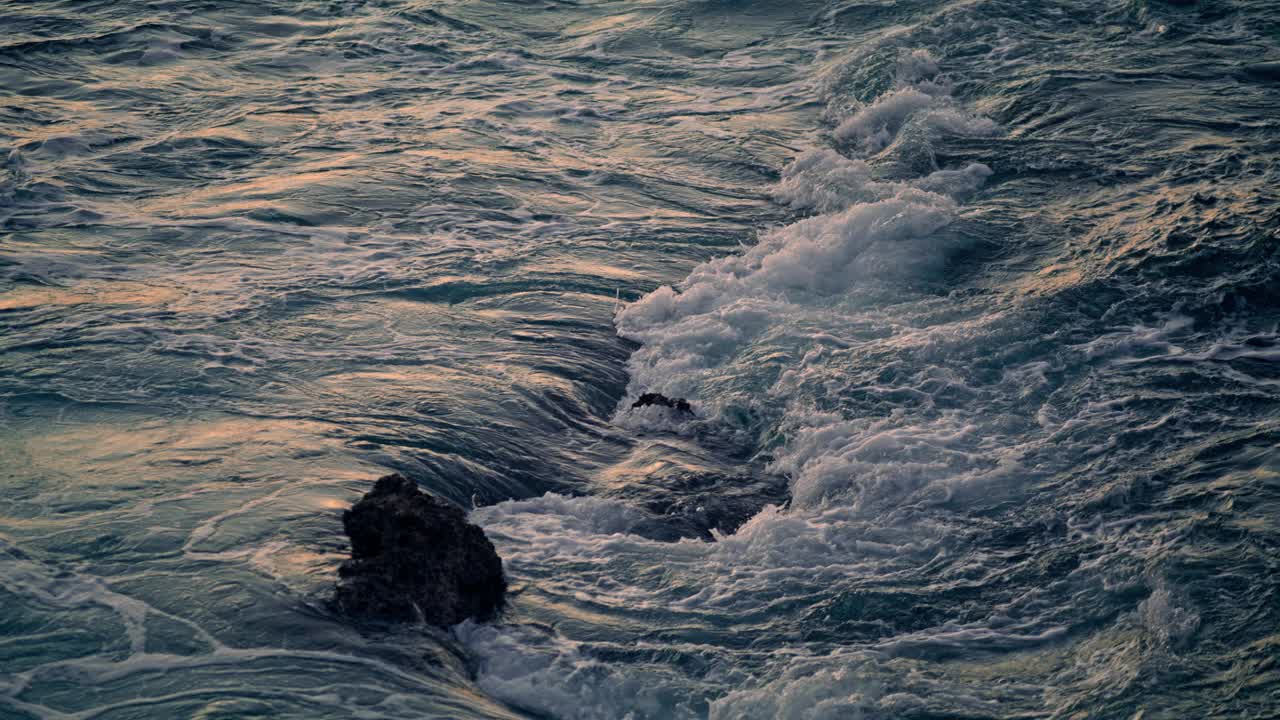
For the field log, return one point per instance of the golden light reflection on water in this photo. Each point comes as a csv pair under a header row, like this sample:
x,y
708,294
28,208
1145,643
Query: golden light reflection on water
x,y
586,267
473,156
118,447
86,118
99,292
294,565
425,377
1054,279
247,195
219,487
1133,229
580,613
442,381
632,21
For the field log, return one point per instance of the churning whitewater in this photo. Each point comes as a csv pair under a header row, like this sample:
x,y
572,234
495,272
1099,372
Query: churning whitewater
x,y
975,307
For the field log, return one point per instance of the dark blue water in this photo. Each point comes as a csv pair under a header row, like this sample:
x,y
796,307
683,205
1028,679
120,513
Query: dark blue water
x,y
977,305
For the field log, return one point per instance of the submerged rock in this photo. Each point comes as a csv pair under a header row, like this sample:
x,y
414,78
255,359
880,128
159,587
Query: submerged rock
x,y
699,505
415,557
678,404
1261,72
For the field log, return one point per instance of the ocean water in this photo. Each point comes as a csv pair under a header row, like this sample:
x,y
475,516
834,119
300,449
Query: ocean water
x,y
976,302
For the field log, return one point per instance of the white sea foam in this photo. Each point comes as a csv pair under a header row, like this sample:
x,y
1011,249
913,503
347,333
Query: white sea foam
x,y
812,690
1167,614
726,303
559,516
872,232
826,181
920,95
875,126
846,686
533,668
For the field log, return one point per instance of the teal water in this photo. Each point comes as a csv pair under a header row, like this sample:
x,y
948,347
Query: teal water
x,y
990,289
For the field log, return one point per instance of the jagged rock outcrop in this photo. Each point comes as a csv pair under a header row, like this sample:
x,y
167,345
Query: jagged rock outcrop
x,y
680,405
415,558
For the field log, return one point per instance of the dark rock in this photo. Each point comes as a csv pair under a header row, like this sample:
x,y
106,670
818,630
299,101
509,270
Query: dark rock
x,y
415,557
678,404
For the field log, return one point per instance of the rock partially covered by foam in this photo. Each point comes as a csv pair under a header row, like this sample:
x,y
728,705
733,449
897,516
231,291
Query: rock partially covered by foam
x,y
699,505
680,405
415,558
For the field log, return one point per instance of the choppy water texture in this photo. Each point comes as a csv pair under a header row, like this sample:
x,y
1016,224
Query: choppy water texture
x,y
990,289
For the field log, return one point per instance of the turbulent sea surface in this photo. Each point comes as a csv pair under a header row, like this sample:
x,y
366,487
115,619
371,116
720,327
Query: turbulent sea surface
x,y
976,303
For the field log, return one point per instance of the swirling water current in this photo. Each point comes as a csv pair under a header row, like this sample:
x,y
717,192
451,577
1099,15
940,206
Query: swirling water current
x,y
990,289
